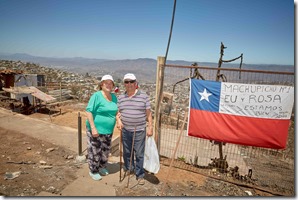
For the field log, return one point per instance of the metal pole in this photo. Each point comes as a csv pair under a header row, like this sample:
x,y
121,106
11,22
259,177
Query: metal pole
x,y
177,125
80,134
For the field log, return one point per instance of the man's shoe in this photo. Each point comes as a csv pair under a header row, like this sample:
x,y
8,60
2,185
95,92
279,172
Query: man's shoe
x,y
141,181
104,172
95,176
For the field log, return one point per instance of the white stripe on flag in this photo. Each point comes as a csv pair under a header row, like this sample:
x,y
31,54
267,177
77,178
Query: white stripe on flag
x,y
261,101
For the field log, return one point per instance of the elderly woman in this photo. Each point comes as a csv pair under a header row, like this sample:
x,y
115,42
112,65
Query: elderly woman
x,y
101,118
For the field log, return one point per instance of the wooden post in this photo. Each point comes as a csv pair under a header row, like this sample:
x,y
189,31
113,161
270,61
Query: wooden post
x,y
60,91
174,154
158,94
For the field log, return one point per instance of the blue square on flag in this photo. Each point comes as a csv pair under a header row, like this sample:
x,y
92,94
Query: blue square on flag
x,y
205,95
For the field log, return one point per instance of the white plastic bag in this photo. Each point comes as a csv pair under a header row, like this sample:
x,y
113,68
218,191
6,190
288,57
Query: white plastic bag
x,y
151,157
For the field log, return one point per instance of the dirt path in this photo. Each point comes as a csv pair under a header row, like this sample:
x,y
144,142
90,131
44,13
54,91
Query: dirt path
x,y
28,157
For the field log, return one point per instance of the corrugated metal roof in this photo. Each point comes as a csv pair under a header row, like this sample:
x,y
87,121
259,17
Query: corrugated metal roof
x,y
30,90
19,90
41,95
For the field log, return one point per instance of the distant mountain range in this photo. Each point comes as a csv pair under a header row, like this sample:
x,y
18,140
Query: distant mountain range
x,y
144,68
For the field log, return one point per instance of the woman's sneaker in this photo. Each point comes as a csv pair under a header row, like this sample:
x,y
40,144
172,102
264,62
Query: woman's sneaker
x,y
95,176
104,172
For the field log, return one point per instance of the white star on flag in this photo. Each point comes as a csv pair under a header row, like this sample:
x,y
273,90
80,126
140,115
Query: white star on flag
x,y
204,95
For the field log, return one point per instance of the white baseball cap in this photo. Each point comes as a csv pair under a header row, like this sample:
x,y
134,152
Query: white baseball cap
x,y
129,76
107,77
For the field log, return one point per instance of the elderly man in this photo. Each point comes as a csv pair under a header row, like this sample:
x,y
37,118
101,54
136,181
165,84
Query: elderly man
x,y
134,106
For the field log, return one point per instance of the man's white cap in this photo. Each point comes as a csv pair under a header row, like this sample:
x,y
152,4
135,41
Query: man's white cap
x,y
107,77
129,76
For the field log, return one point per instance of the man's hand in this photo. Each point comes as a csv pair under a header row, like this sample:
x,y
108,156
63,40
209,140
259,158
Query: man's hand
x,y
149,131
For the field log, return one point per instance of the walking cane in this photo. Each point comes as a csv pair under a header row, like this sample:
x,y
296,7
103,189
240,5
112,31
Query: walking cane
x,y
131,153
120,155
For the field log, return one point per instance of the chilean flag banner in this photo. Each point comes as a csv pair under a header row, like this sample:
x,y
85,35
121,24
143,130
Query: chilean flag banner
x,y
246,114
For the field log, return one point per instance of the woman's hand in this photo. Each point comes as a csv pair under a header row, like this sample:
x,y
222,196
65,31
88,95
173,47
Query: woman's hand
x,y
94,132
119,124
118,121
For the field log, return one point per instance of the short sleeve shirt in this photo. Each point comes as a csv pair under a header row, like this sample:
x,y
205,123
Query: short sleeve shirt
x,y
133,110
103,112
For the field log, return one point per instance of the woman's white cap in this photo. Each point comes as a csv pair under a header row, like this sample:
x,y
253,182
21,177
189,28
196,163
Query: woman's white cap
x,y
129,76
107,77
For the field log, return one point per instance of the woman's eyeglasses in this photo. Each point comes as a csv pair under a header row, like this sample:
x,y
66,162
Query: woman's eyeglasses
x,y
131,81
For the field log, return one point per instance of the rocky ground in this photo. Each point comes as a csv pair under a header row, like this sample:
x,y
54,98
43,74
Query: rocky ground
x,y
29,165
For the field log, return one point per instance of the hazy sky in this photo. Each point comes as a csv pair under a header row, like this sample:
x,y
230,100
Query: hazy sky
x,y
263,30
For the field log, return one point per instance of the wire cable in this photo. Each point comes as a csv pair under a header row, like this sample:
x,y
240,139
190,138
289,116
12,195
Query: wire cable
x,y
169,41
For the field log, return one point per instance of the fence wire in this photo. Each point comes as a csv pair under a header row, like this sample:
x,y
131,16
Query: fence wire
x,y
243,164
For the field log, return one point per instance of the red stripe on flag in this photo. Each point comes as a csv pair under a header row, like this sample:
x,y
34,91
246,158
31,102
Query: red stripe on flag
x,y
260,132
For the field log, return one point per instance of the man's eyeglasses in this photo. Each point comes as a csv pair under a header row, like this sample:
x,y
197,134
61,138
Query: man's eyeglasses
x,y
131,81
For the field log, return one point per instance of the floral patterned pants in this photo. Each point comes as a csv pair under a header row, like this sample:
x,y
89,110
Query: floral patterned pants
x,y
98,150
